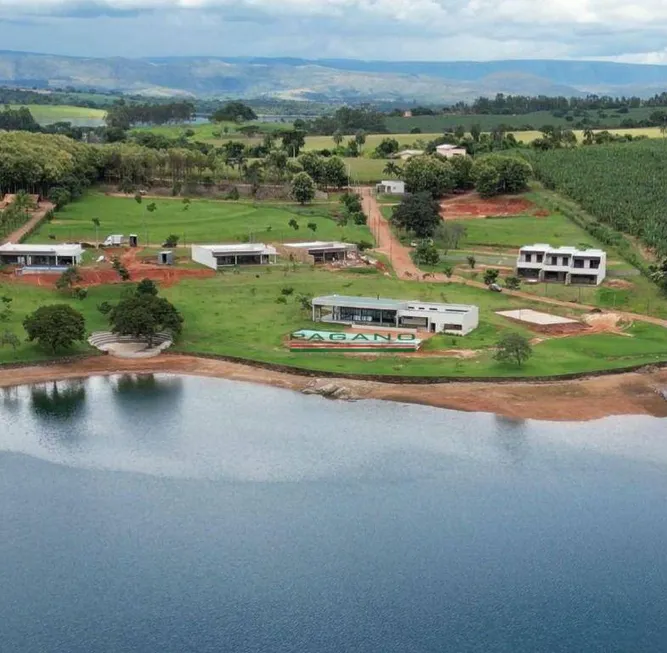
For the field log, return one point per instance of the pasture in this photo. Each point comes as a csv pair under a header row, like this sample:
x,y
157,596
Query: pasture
x,y
46,114
205,221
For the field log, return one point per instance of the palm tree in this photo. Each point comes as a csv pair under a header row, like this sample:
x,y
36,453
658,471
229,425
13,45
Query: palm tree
x,y
392,169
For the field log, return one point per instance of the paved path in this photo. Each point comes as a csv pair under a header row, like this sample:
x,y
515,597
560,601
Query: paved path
x,y
400,258
21,232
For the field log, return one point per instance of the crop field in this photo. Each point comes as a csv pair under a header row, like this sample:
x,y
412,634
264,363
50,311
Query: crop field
x,y
622,185
438,124
216,322
45,114
205,221
216,133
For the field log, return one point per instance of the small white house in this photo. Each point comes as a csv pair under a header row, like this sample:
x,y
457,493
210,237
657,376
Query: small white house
x,y
449,151
454,319
391,187
41,256
567,265
219,256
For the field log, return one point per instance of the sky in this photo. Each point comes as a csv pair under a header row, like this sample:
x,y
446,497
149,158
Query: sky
x,y
429,30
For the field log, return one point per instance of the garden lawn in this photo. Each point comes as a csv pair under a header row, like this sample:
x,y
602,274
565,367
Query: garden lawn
x,y
236,314
206,221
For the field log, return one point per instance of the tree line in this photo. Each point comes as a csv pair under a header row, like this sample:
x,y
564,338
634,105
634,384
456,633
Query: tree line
x,y
123,115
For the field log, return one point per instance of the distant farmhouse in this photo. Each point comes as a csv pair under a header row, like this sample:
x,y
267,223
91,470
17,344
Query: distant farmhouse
x,y
454,319
404,155
391,187
40,256
449,151
219,256
567,265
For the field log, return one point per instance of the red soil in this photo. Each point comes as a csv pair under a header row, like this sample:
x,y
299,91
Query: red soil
x,y
471,205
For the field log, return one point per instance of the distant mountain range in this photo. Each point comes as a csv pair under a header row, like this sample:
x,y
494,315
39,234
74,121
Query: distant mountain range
x,y
331,79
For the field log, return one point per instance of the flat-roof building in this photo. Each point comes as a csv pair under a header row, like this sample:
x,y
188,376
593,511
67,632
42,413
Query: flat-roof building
x,y
391,187
40,256
324,252
455,319
567,265
219,256
448,150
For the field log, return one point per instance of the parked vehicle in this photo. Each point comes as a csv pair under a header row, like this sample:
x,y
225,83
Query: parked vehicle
x,y
494,287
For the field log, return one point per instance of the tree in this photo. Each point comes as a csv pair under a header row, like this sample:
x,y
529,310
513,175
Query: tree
x,y
5,308
448,270
96,222
171,241
338,137
472,261
68,278
487,178
122,271
294,224
429,174
513,348
658,274
314,165
303,188
56,326
9,338
143,316
513,283
460,132
449,234
386,148
475,132
462,171
360,138
234,112
335,172
312,226
293,141
392,170
491,276
147,287
426,254
419,214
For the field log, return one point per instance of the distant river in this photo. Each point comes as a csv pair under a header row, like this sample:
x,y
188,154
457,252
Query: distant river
x,y
175,514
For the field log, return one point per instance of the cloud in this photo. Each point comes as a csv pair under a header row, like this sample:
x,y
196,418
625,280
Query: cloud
x,y
379,29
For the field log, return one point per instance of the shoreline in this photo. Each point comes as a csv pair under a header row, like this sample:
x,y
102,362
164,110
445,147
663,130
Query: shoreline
x,y
588,398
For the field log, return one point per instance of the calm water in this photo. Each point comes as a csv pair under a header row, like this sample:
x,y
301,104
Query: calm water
x,y
177,515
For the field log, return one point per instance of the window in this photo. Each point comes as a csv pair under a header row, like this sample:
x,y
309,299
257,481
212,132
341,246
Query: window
x,y
595,264
529,258
578,263
540,258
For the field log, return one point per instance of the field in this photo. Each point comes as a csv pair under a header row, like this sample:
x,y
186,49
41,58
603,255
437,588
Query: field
x,y
430,124
206,221
45,114
216,314
622,185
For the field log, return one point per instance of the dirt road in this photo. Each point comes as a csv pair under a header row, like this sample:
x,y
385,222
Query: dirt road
x,y
21,232
399,255
585,399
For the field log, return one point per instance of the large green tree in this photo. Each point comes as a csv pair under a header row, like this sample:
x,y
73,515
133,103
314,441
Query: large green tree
x,y
144,315
303,188
418,214
496,174
54,327
429,174
513,348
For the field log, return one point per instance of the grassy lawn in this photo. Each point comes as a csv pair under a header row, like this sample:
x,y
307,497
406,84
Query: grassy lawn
x,y
206,221
237,314
48,113
517,231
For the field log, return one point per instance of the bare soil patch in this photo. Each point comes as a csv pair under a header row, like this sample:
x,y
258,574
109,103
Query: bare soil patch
x,y
472,206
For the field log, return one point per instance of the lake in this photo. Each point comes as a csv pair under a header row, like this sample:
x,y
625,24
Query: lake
x,y
180,514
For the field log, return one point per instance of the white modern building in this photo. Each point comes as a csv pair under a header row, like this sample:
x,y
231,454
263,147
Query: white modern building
x,y
220,256
449,151
40,256
324,252
391,187
567,265
454,319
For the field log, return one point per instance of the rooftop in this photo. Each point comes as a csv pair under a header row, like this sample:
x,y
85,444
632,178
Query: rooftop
x,y
383,304
545,247
66,249
320,244
236,248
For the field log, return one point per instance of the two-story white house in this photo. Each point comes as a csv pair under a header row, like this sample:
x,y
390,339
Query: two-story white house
x,y
567,265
